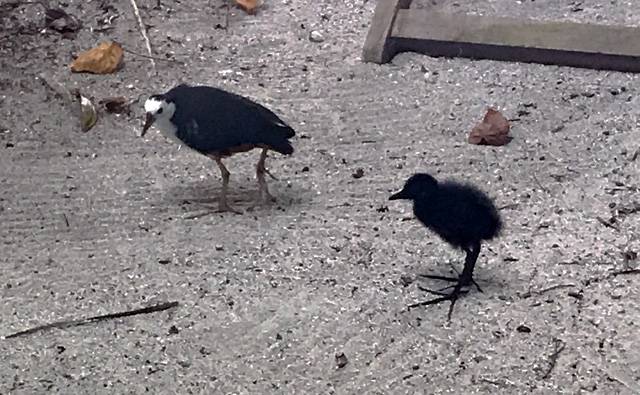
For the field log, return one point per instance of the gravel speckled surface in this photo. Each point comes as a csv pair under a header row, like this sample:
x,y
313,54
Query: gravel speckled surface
x,y
269,298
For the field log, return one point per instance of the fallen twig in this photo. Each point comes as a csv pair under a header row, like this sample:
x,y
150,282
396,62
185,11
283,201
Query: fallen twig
x,y
559,346
607,223
626,271
557,286
152,57
143,31
542,187
85,321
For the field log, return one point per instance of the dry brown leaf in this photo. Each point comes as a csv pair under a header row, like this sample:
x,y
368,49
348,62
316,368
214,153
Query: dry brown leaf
x,y
493,130
103,59
249,6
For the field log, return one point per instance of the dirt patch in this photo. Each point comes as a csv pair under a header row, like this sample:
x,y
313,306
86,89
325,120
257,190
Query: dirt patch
x,y
102,221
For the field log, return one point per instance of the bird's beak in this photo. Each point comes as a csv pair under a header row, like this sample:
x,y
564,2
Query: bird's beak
x,y
147,123
399,195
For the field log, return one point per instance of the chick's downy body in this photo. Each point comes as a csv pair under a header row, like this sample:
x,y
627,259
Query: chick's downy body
x,y
460,214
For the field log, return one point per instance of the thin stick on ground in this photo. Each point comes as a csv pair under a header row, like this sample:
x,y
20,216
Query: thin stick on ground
x,y
152,57
143,31
90,320
558,346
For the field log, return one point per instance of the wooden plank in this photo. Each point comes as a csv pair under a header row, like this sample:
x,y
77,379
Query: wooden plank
x,y
377,46
513,39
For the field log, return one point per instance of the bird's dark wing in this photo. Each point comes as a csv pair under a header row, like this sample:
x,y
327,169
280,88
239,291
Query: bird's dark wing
x,y
211,120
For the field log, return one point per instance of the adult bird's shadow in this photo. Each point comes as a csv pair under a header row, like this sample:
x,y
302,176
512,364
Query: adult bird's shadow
x,y
199,198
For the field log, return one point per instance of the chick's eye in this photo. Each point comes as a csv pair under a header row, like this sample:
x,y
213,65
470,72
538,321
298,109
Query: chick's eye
x,y
160,110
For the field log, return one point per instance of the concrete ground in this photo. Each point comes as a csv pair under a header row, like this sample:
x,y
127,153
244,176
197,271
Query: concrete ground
x,y
106,221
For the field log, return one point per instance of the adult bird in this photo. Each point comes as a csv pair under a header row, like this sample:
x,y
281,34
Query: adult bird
x,y
461,215
219,124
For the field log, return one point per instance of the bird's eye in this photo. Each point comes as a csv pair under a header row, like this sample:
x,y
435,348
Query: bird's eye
x,y
160,110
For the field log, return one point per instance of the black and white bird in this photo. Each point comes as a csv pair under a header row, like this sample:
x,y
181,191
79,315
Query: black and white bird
x,y
461,215
219,124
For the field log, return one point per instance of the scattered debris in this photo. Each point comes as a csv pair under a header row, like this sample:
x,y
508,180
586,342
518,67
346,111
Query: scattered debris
x,y
577,295
103,59
60,21
623,272
85,321
493,130
116,105
359,173
628,209
609,224
382,209
249,6
558,346
143,32
341,360
406,280
316,37
88,113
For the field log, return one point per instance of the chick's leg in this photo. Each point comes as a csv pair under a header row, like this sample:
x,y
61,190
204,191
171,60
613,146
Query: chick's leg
x,y
465,279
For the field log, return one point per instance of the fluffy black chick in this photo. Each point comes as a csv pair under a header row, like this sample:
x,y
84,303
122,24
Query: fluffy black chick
x,y
461,215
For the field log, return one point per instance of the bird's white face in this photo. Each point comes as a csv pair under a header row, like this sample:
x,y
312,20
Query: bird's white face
x,y
158,110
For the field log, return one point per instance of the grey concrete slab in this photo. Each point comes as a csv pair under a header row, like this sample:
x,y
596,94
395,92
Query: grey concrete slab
x,y
268,298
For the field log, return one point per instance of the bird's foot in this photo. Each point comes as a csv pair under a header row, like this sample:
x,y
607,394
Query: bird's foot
x,y
443,297
265,198
269,173
224,207
452,279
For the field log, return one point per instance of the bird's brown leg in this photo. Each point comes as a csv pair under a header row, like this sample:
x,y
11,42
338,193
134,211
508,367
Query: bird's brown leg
x,y
261,170
223,205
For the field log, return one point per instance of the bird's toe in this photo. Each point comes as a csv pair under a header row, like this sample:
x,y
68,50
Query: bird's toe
x,y
224,207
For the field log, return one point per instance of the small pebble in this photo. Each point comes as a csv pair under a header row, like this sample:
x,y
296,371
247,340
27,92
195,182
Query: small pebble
x,y
341,360
316,37
359,173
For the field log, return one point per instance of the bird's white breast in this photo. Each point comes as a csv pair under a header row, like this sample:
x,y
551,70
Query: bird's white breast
x,y
168,129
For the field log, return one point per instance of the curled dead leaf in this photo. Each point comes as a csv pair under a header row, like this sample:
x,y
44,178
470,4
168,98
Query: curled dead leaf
x,y
249,6
103,59
88,113
493,130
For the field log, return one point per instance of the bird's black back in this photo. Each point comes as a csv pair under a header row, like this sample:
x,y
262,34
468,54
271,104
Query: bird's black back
x,y
460,214
210,120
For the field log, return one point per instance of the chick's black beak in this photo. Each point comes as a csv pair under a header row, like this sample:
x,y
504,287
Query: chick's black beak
x,y
147,123
399,195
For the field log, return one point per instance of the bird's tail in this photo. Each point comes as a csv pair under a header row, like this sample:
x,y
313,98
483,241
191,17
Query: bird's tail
x,y
283,146
280,142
